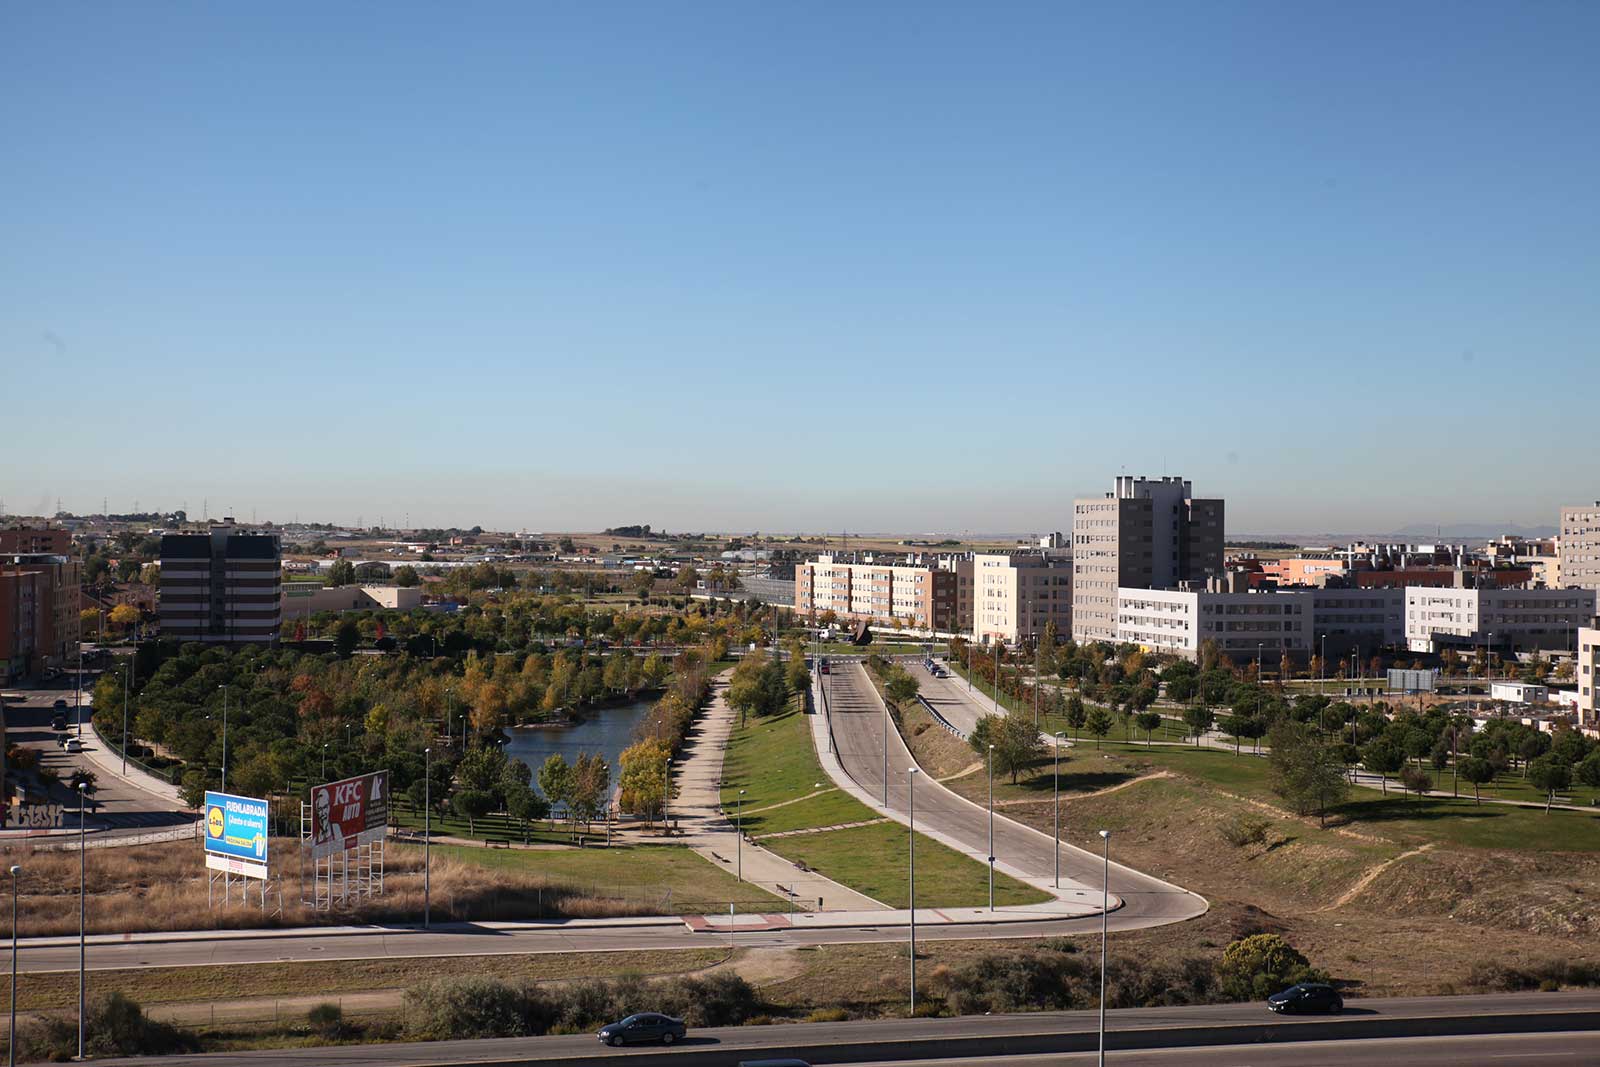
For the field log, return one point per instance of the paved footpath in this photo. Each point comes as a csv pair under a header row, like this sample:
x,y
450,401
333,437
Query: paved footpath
x,y
697,811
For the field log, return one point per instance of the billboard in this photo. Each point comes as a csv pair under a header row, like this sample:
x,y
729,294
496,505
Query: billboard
x,y
348,813
237,829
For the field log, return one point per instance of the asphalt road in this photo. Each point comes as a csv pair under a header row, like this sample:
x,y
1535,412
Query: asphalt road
x,y
1497,1050
883,1040
118,807
858,727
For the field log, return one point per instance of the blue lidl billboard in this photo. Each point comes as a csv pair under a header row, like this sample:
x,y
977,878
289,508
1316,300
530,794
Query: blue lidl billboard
x,y
236,827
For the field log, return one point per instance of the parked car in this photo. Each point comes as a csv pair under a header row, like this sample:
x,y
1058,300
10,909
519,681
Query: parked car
x,y
645,1026
73,744
1306,997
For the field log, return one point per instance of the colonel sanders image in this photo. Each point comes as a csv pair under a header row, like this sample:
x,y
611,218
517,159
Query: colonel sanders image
x,y
321,816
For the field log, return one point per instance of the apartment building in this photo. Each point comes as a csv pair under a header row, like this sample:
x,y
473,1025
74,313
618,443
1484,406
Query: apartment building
x,y
1500,620
1358,619
1308,568
919,595
1015,595
1242,623
1587,675
1144,534
39,625
34,541
223,586
1579,548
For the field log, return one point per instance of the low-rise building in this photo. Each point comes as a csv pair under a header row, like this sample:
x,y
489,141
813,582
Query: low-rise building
x,y
1358,619
919,595
301,600
1015,595
1519,692
1242,623
1496,620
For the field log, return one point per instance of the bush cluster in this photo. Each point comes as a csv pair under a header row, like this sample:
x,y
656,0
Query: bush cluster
x,y
113,1026
1545,974
483,1007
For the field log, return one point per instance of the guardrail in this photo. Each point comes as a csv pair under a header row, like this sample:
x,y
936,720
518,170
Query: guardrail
x,y
168,775
940,719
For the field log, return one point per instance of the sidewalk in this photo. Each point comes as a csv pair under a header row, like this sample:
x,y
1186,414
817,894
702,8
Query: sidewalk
x,y
697,812
110,766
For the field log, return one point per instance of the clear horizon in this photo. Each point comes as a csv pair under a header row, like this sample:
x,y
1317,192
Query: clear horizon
x,y
569,268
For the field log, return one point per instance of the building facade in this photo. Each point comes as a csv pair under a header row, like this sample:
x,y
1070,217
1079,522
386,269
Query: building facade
x,y
39,627
221,587
1015,595
1587,675
1579,549
1144,534
1243,624
31,541
1497,620
921,596
1361,620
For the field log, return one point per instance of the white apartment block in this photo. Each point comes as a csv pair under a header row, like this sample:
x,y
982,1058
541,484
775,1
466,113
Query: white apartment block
x,y
1579,548
1242,624
1587,675
1016,595
1496,619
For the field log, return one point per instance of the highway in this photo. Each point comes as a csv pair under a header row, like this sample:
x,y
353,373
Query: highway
x,y
857,718
1371,1032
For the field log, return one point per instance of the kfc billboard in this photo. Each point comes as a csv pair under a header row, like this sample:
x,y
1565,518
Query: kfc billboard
x,y
349,813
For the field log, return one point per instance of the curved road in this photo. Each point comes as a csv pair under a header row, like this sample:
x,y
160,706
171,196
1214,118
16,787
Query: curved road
x,y
857,719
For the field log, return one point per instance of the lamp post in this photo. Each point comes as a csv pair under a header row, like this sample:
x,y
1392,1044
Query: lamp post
x,y
996,680
1258,662
666,794
324,761
1105,926
427,837
1060,737
991,827
738,832
1323,673
77,693
11,1034
885,753
83,909
911,874
127,683
224,689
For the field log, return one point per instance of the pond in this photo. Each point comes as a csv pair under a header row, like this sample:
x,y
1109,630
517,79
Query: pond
x,y
606,731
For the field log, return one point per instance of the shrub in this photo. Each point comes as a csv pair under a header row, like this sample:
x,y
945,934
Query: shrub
x,y
1245,829
1260,965
327,1021
1553,973
114,1026
466,1008
828,1015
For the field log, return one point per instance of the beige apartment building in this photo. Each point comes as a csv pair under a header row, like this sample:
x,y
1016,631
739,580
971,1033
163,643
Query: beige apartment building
x,y
921,596
1015,595
1579,548
1588,675
1144,534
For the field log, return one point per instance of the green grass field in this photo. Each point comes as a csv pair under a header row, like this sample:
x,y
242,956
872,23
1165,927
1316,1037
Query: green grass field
x,y
684,882
772,760
873,860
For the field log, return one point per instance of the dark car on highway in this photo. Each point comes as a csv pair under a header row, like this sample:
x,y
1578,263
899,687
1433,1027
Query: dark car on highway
x,y
1306,997
645,1026
59,722
61,702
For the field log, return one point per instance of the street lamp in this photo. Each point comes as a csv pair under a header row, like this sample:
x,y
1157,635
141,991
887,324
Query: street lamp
x,y
911,874
738,832
83,910
1105,925
324,761
224,689
427,837
11,1034
991,827
127,683
666,794
1060,737
885,753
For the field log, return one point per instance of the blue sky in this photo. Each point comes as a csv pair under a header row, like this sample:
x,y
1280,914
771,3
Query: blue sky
x,y
798,267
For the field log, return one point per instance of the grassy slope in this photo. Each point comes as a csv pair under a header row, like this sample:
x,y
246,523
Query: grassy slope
x,y
772,760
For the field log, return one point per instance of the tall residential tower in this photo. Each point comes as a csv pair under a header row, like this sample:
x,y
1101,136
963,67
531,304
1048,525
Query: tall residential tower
x,y
1146,534
220,587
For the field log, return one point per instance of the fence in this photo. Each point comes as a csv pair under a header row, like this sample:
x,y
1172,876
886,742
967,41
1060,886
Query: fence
x,y
169,775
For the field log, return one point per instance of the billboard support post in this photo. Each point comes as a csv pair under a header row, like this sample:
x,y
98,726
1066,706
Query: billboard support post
x,y
345,817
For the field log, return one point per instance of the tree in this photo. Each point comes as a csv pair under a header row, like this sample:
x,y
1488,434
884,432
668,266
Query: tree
x,y
1383,757
123,616
1549,775
1416,779
472,803
1098,723
1017,745
1237,727
643,777
1305,769
346,637
343,572
1183,688
797,675
1476,770
643,582
1261,965
524,804
1076,714
1148,721
901,687
406,577
758,686
1588,772
591,784
1199,719
687,578
555,781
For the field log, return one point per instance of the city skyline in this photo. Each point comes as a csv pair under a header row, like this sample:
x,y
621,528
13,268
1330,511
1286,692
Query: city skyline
x,y
600,273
